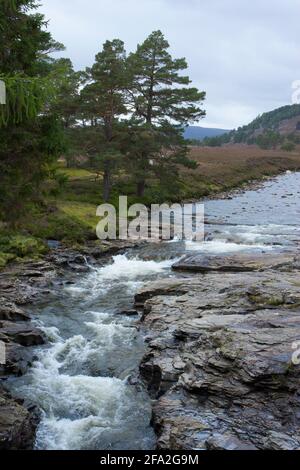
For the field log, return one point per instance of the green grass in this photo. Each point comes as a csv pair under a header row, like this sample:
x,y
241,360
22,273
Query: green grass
x,y
77,173
83,212
19,247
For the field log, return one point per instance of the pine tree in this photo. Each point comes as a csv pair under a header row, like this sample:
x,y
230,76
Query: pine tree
x,y
67,97
103,103
163,102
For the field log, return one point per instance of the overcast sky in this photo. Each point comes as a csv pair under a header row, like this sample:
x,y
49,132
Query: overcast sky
x,y
244,54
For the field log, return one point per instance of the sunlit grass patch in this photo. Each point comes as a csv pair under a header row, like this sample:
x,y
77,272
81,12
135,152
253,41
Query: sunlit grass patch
x,y
79,173
85,213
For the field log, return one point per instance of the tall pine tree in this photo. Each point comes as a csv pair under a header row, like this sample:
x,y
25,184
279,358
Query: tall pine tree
x,y
163,102
103,102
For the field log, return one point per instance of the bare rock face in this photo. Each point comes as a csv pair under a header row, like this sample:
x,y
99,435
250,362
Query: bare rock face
x,y
17,424
234,263
19,285
219,360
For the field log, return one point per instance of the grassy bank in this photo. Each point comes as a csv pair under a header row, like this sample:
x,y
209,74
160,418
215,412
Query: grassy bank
x,y
70,216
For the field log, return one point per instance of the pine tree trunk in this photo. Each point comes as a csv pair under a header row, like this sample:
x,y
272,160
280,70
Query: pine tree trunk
x,y
106,182
141,186
107,168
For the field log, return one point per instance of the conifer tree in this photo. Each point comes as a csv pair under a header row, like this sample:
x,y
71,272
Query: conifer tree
x,y
29,135
164,102
103,103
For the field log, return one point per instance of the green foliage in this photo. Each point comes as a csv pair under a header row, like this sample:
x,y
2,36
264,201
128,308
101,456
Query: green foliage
x,y
158,89
25,41
27,155
5,258
59,225
22,246
269,139
163,103
14,246
103,101
125,116
67,85
30,135
257,131
288,146
25,98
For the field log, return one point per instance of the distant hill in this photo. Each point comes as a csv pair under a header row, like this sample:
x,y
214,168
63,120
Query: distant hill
x,y
267,130
200,133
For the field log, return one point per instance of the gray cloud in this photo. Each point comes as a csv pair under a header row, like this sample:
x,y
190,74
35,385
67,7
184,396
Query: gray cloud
x,y
244,54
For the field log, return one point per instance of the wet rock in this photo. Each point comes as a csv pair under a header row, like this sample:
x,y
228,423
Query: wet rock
x,y
219,360
235,263
10,312
129,313
17,424
69,259
165,286
18,360
22,334
227,442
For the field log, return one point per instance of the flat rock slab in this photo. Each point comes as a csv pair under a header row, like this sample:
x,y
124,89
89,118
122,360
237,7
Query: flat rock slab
x,y
234,263
219,360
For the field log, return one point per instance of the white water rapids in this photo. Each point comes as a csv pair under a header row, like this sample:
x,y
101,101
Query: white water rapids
x,y
80,381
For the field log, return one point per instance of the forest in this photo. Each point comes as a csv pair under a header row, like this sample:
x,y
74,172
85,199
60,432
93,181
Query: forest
x,y
123,116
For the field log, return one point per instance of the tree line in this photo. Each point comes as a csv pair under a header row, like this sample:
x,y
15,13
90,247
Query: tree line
x,y
263,131
125,114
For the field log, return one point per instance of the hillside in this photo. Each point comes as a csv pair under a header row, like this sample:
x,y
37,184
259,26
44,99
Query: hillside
x,y
200,133
278,127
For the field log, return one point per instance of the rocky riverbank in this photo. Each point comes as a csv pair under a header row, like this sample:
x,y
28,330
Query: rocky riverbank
x,y
22,286
220,344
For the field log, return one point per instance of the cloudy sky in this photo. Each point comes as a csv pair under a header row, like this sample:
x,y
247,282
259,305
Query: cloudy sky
x,y
245,55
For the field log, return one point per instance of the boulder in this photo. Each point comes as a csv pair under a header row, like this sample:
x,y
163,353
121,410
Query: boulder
x,y
17,424
10,312
20,333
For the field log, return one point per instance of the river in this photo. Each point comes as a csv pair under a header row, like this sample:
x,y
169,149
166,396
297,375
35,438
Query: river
x,y
85,379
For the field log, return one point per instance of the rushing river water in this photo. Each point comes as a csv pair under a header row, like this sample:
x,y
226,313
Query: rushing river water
x,y
82,380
